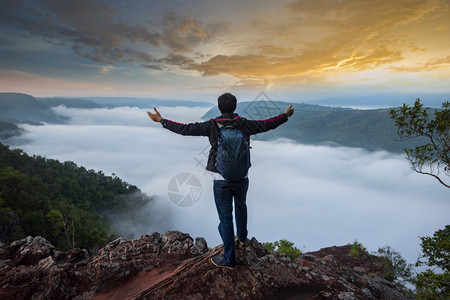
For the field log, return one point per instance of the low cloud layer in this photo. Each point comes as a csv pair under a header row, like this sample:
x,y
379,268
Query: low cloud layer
x,y
314,196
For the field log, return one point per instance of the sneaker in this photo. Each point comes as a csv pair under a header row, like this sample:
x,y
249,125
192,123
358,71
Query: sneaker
x,y
243,242
237,241
218,262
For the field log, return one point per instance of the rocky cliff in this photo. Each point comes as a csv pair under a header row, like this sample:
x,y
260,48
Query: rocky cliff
x,y
175,266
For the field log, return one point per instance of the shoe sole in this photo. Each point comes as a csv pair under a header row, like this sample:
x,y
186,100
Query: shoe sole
x,y
222,266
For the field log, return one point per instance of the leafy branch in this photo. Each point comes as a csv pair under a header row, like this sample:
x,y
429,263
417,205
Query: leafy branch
x,y
432,158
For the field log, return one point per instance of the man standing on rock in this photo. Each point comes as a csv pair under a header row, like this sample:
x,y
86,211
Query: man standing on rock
x,y
230,179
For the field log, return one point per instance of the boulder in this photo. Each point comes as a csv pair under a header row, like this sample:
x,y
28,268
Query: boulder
x,y
173,265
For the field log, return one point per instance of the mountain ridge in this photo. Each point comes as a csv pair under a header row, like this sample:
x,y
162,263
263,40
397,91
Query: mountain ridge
x,y
20,108
371,129
385,100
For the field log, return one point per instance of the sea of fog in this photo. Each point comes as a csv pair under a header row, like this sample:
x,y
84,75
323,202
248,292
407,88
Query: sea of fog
x,y
314,196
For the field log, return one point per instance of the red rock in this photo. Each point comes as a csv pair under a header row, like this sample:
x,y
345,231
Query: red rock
x,y
173,266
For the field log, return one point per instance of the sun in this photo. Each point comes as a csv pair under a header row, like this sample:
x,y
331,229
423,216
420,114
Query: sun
x,y
269,85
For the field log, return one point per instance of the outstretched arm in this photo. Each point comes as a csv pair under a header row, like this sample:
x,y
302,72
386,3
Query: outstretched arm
x,y
155,116
258,126
197,129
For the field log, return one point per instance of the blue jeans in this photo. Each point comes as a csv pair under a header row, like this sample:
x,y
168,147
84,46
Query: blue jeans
x,y
224,193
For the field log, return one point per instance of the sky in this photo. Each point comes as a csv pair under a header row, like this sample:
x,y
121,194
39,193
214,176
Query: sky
x,y
198,49
313,196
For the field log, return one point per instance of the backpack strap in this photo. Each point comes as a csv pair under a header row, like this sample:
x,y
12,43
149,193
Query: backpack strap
x,y
227,119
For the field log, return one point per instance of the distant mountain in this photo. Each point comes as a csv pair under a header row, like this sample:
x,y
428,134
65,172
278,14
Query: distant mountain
x,y
385,100
143,102
69,102
111,102
314,124
311,124
22,108
16,108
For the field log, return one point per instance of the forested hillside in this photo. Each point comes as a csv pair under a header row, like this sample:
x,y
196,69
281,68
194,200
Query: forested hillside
x,y
67,204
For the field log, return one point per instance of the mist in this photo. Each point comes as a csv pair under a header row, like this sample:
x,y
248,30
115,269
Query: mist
x,y
314,196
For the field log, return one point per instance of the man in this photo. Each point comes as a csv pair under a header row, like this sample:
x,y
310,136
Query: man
x,y
226,190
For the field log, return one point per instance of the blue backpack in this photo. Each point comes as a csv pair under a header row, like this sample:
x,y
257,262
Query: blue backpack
x,y
233,153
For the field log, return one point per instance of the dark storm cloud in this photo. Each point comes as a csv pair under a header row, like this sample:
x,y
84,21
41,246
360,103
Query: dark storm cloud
x,y
95,30
171,59
182,32
111,55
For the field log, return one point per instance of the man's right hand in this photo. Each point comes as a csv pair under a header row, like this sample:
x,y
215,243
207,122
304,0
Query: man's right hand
x,y
156,116
289,111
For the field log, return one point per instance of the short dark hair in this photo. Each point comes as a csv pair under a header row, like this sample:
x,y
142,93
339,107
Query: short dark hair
x,y
227,103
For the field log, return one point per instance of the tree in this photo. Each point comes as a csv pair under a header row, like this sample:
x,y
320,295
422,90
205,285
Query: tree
x,y
357,250
66,204
284,246
435,283
432,158
397,269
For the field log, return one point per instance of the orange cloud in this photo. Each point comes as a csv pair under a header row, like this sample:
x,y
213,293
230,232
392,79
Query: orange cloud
x,y
429,65
321,36
295,41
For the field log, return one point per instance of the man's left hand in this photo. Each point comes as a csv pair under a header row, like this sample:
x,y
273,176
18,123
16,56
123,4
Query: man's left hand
x,y
155,116
289,111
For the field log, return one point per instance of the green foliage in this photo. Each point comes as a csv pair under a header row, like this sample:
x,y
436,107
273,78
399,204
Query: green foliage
x,y
397,269
357,249
283,246
435,283
67,204
432,157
